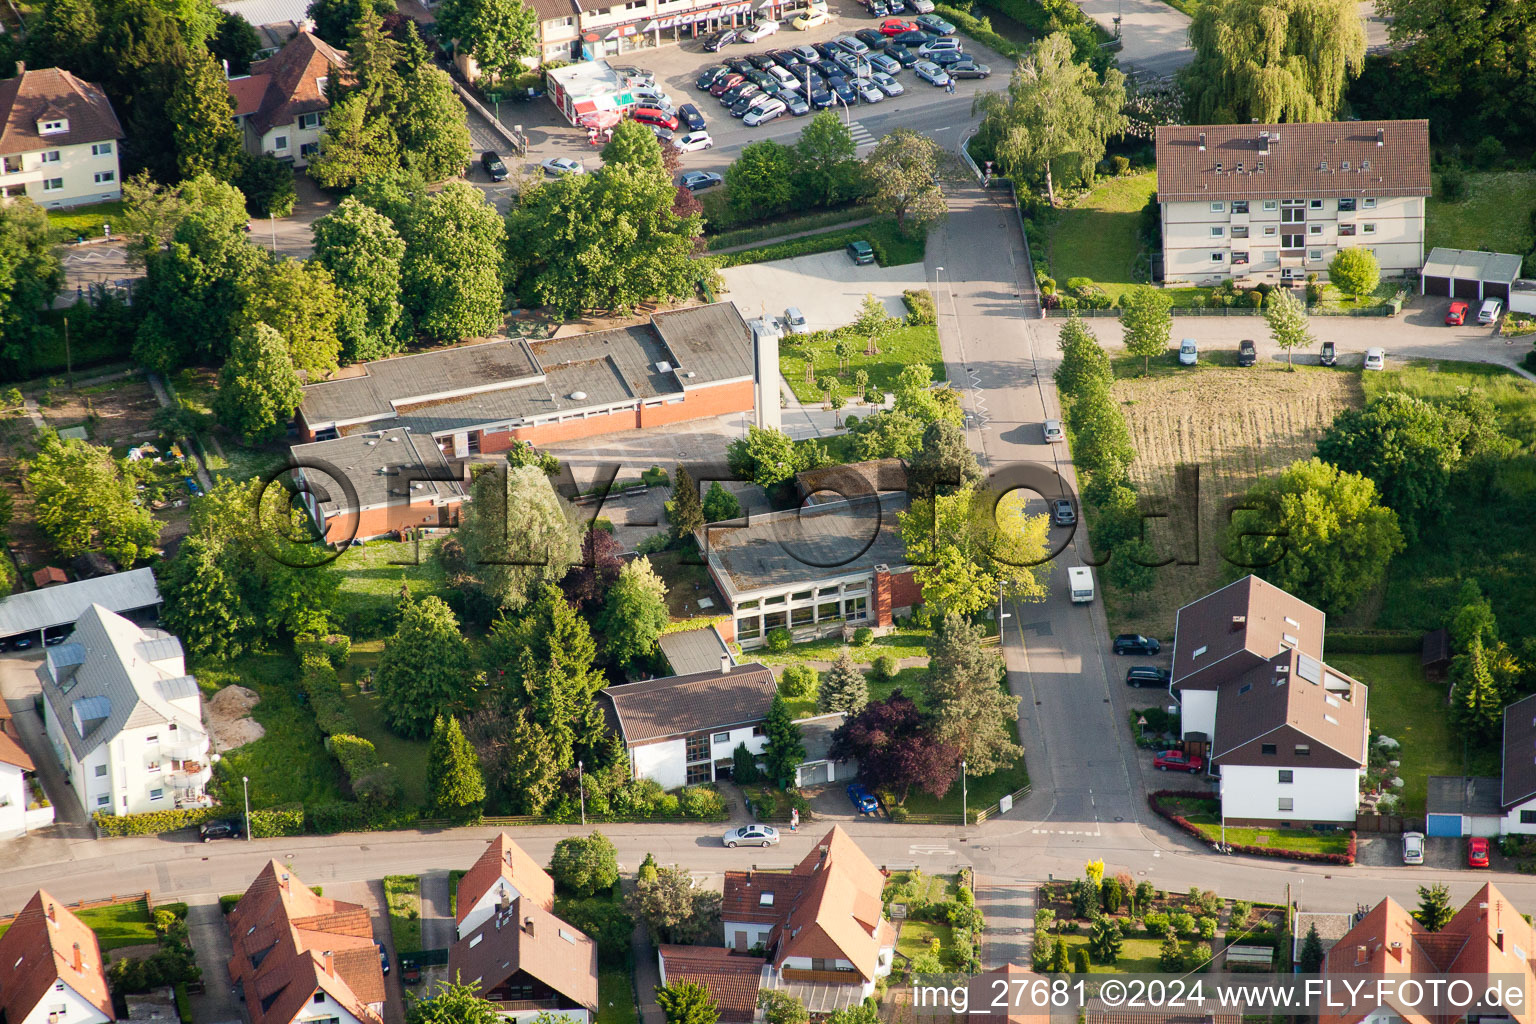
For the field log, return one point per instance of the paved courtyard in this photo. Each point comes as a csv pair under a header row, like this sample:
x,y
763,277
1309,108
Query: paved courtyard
x,y
827,287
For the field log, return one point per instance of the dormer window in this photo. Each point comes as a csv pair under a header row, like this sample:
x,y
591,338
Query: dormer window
x,y
53,126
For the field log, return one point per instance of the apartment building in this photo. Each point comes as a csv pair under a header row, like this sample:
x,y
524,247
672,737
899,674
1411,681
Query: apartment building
x,y
1276,202
58,140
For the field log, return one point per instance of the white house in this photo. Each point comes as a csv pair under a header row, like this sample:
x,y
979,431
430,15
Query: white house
x,y
503,873
684,730
1276,202
58,140
280,105
51,969
1286,733
124,718
17,816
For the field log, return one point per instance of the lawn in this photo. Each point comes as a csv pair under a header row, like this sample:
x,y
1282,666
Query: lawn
x,y
372,575
896,349
909,681
87,220
1097,236
408,756
778,227
403,895
917,938
117,925
1412,711
616,997
287,765
892,248
687,580
195,389
980,792
1206,816
1495,215
1332,298
903,643
1137,956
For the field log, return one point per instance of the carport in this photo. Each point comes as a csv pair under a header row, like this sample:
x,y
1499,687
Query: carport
x,y
1469,274
1458,805
37,611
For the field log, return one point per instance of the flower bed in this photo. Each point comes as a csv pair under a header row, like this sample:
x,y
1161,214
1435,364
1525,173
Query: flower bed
x,y
1164,802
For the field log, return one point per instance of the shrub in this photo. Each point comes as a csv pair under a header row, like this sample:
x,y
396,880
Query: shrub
x,y
153,823
330,818
1488,151
863,636
798,681
356,755
920,308
1156,923
283,820
228,900
1079,285
1453,183
604,921
655,477
701,802
778,640
1119,165
1201,957
885,666
1207,927
317,678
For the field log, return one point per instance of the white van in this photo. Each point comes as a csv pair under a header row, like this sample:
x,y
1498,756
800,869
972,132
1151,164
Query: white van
x,y
1080,584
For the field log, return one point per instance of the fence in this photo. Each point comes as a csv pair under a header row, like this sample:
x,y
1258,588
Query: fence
x,y
977,817
106,901
1389,823
1386,309
997,808
512,821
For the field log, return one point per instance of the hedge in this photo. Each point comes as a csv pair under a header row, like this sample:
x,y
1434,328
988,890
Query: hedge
x,y
330,818
807,246
178,909
335,647
1154,800
317,677
283,820
1372,642
153,823
356,755
921,311
228,900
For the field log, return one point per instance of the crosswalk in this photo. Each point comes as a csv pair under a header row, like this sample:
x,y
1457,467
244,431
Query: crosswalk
x,y
861,135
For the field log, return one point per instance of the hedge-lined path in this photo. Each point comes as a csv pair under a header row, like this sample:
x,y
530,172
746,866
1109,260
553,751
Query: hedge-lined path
x,y
764,242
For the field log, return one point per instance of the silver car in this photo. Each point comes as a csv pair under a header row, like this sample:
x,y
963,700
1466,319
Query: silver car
x,y
1413,847
886,84
795,321
751,835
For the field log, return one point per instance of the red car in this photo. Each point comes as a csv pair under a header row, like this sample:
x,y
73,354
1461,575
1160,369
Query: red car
x,y
895,27
725,84
1458,314
1178,761
1477,853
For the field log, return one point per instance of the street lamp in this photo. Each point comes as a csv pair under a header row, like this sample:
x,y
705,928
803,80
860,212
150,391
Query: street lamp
x,y
965,816
245,784
581,781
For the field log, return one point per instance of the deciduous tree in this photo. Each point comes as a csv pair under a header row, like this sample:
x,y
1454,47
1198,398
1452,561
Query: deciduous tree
x,y
203,115
760,181
970,709
431,123
765,456
1147,323
1356,271
83,501
634,614
1289,327
338,22
496,33
518,534
363,253
30,276
902,171
894,744
1101,434
824,155
596,569
633,143
675,907
425,669
258,389
684,1002
969,545
451,276
1083,359
944,463
451,1003
297,299
585,865
455,788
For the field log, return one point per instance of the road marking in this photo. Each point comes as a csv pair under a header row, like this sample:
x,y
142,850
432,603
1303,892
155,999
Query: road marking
x,y
927,850
861,135
1065,832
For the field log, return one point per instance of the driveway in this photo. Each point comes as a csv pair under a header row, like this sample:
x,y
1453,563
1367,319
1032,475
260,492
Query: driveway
x,y
206,928
828,287
19,687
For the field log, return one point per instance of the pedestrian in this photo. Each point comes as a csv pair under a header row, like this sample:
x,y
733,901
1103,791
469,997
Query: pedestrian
x,y
794,819
950,87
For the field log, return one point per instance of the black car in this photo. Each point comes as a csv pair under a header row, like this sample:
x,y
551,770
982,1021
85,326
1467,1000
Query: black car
x,y
723,38
1330,355
740,65
828,49
710,75
738,92
947,59
1147,675
221,828
877,9
21,643
844,91
786,59
493,166
53,641
821,97
872,39
1135,643
1247,355
1062,512
969,69
761,79
901,55
913,38
690,116
762,61
826,67
383,958
746,103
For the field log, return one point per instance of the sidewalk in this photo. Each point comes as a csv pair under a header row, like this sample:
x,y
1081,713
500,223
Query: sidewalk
x,y
1009,908
217,1003
647,976
790,237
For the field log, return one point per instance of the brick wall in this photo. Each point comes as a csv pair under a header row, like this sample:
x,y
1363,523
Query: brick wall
x,y
715,400
883,605
905,592
378,522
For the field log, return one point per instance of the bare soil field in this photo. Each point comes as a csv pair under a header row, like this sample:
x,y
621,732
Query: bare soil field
x,y
1202,440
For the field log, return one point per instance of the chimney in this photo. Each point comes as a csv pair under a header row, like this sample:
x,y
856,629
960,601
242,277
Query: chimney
x,y
1202,142
528,925
330,964
282,881
1381,136
21,68
1397,951
80,969
1264,142
225,62
51,915
725,663
1238,622
1362,954
749,876
1498,938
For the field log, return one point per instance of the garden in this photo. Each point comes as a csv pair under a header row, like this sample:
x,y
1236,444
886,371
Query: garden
x,y
807,359
940,923
1492,212
1199,814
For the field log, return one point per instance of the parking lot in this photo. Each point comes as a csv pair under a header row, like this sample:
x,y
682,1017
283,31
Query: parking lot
x,y
827,287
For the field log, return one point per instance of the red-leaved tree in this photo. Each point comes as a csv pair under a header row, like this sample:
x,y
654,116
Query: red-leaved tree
x,y
893,741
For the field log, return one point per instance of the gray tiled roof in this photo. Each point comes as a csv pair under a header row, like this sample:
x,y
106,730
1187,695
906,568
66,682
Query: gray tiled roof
x,y
1472,265
816,543
683,705
694,650
1519,782
816,735
66,602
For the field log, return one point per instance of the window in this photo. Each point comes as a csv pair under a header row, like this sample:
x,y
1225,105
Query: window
x,y
152,739
1368,204
1316,204
804,595
1270,230
1240,231
53,127
157,794
1288,638
1287,804
1294,211
102,177
855,609
1368,229
1528,817
322,83
1246,687
748,604
855,588
1347,205
280,142
101,771
1292,241
759,730
1267,748
722,737
776,599
1217,257
12,191
1271,204
53,184
13,165
826,610
51,157
319,997
826,592
1287,776
698,773
1198,651
1239,206
1218,207
774,620
765,899
1218,232
1346,230
309,122
1314,229
698,748
58,986
749,629
103,800
309,150
152,767
802,616
1239,259
101,149
1303,750
1315,254
1330,720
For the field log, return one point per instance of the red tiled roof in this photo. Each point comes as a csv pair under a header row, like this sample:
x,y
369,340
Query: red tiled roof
x,y
248,93
732,980
11,751
53,91
289,943
505,859
839,915
49,574
39,949
744,890
527,939
289,82
1018,987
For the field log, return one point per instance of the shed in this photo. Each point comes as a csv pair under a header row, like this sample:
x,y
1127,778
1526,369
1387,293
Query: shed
x,y
48,576
1435,654
61,605
1522,296
1469,274
1463,806
818,766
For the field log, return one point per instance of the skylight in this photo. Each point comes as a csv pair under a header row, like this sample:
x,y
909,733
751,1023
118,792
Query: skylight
x,y
1309,669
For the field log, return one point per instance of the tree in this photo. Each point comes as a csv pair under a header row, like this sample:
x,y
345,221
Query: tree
x,y
1472,618
1288,323
595,570
1132,567
887,434
720,505
1147,323
30,276
258,390
363,253
203,115
635,613
685,511
585,865
1084,362
355,146
970,710
685,1002
1059,961
451,275
83,500
203,606
1103,439
760,182
1272,60
1317,532
1057,114
1356,271
431,123
914,395
970,545
902,171
1170,956
781,1007
496,33
267,184
1104,941
784,752
1310,960
944,462
338,22
1435,910
455,788
633,143
894,744
297,299
518,534
744,766
765,456
1477,704
236,41
843,686
674,907
451,1003
822,155
425,668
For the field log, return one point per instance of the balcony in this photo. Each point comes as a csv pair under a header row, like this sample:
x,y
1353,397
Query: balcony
x,y
822,977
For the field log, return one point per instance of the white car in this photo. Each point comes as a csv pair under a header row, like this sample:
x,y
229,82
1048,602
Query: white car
x,y
869,92
693,141
921,6
763,113
1489,311
562,165
751,835
1375,359
1053,432
795,321
886,84
784,75
813,18
761,30
930,73
654,98
1189,352
1413,847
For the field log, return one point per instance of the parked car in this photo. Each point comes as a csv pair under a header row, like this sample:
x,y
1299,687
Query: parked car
x,y
693,142
691,117
21,643
764,112
934,23
383,958
761,30
877,9
967,68
794,321
810,20
886,84
1457,314
788,59
1489,311
871,38
912,36
1178,761
853,44
751,835
740,65
860,252
885,63
863,802
1053,432
1062,512
219,828
807,54
1375,359
1147,675
634,75
931,73
653,98
1247,354
738,92
1330,356
655,116
783,76
938,46
798,107
662,134
869,92
562,165
410,971
710,75
761,79
1189,352
1413,847
1135,643
921,6
493,166
901,55
715,43
761,61
821,97
896,6
725,83
1477,852
947,59
746,103
845,92
698,181
53,641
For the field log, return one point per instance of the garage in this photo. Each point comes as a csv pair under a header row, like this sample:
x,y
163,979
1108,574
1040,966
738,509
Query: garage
x,y
1522,297
1462,806
1469,274
57,607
